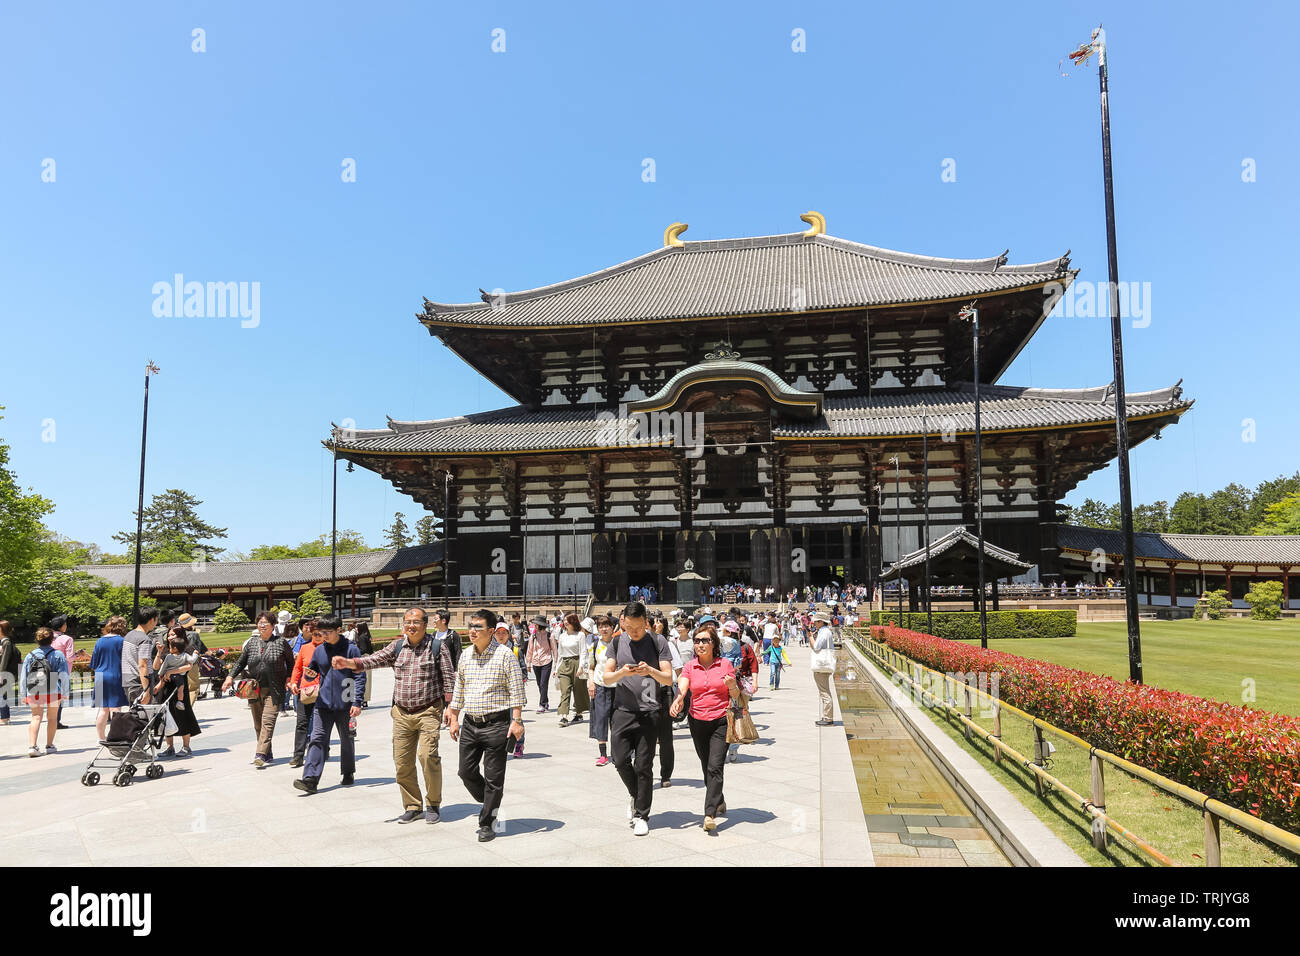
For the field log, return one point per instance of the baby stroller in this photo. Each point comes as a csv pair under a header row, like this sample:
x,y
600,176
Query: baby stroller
x,y
214,672
134,738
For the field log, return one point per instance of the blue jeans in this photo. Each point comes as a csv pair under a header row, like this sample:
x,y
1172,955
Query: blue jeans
x,y
774,674
323,722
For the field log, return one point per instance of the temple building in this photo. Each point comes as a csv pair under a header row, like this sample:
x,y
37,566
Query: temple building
x,y
758,407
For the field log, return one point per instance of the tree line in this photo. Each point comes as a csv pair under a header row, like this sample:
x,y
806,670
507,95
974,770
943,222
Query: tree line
x,y
1273,507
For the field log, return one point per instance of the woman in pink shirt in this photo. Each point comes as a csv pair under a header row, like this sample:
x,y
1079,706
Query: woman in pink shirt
x,y
711,681
540,657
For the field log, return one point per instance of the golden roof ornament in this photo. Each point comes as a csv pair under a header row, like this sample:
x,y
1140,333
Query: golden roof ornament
x,y
816,221
672,232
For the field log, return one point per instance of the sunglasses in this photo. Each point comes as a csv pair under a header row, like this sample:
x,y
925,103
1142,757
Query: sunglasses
x,y
704,640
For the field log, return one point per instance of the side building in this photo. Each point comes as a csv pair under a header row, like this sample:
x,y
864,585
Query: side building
x,y
774,409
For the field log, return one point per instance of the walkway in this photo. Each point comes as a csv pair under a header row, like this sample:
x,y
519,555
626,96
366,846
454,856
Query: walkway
x,y
792,796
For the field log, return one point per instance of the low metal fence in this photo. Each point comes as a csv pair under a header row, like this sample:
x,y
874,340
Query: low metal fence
x,y
1093,806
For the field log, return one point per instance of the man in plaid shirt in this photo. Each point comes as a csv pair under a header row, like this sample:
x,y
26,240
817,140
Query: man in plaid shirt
x,y
424,682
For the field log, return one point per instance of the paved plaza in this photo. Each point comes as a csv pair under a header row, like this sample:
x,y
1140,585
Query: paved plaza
x,y
793,799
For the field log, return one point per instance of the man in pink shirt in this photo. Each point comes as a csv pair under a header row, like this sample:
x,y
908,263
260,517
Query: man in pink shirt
x,y
64,644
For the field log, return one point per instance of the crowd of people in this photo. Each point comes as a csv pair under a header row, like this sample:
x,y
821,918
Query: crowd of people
x,y
635,679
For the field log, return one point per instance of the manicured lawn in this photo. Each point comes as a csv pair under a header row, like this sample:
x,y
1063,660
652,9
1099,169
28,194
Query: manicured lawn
x,y
1214,659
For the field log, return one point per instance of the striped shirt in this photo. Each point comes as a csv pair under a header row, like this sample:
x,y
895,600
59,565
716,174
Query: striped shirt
x,y
420,678
487,682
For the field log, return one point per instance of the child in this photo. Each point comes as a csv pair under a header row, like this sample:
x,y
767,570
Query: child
x,y
776,660
172,669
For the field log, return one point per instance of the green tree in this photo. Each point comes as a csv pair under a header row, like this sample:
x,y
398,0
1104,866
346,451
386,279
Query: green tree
x,y
1095,514
1153,517
397,535
1281,517
173,530
25,543
349,542
426,531
1212,605
1269,493
1265,600
1187,515
229,618
313,603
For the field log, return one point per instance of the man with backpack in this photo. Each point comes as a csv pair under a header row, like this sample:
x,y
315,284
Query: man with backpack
x,y
423,683
636,665
444,633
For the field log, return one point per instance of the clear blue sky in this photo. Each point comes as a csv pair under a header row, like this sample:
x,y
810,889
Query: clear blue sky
x,y
521,168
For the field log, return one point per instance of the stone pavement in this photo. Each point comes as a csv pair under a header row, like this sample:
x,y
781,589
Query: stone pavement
x,y
792,797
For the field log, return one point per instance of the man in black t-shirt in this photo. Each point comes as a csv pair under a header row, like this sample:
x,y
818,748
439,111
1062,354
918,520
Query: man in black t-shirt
x,y
637,664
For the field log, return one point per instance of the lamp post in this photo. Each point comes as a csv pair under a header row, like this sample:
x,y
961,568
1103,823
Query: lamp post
x,y
898,539
972,312
925,491
149,369
446,537
525,561
334,519
575,564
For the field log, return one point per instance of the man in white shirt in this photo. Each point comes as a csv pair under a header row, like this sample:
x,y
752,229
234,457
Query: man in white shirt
x,y
444,633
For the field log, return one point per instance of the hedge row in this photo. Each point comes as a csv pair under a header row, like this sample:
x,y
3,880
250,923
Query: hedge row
x,y
1245,757
965,625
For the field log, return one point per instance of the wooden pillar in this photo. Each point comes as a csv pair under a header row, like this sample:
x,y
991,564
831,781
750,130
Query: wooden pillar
x,y
995,594
449,549
353,582
1286,586
1173,591
189,600
1227,579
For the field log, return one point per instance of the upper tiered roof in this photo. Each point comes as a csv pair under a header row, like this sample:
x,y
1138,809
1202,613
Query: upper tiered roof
x,y
763,275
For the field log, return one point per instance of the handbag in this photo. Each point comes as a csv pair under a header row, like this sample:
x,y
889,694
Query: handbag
x,y
309,692
247,688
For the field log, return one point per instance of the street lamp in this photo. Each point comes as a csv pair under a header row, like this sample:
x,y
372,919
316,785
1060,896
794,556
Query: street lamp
x,y
925,492
972,313
898,540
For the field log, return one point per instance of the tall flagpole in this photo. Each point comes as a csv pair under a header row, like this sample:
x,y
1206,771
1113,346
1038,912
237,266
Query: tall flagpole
x,y
972,312
1098,46
149,369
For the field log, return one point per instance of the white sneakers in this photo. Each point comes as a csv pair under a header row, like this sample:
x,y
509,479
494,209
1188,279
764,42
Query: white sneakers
x,y
640,827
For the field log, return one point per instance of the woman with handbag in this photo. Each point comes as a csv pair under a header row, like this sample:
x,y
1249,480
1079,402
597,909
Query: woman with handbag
x,y
268,661
711,681
823,666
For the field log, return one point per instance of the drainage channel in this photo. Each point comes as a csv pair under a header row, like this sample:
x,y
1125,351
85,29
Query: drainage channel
x,y
914,817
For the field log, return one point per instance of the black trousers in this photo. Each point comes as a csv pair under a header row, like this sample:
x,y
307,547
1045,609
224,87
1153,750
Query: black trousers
x,y
302,729
543,675
667,756
630,731
484,744
710,738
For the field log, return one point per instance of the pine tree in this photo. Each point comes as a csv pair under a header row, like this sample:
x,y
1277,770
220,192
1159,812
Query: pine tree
x,y
173,530
397,535
425,531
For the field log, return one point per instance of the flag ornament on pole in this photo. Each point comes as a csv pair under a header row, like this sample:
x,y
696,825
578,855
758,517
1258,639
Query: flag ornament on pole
x,y
1097,45
151,369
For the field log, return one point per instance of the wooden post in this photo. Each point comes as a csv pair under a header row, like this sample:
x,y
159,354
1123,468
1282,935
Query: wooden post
x,y
997,732
1099,801
1213,856
1038,758
966,690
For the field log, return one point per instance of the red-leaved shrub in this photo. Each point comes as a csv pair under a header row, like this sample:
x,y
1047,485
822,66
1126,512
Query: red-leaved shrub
x,y
1245,757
